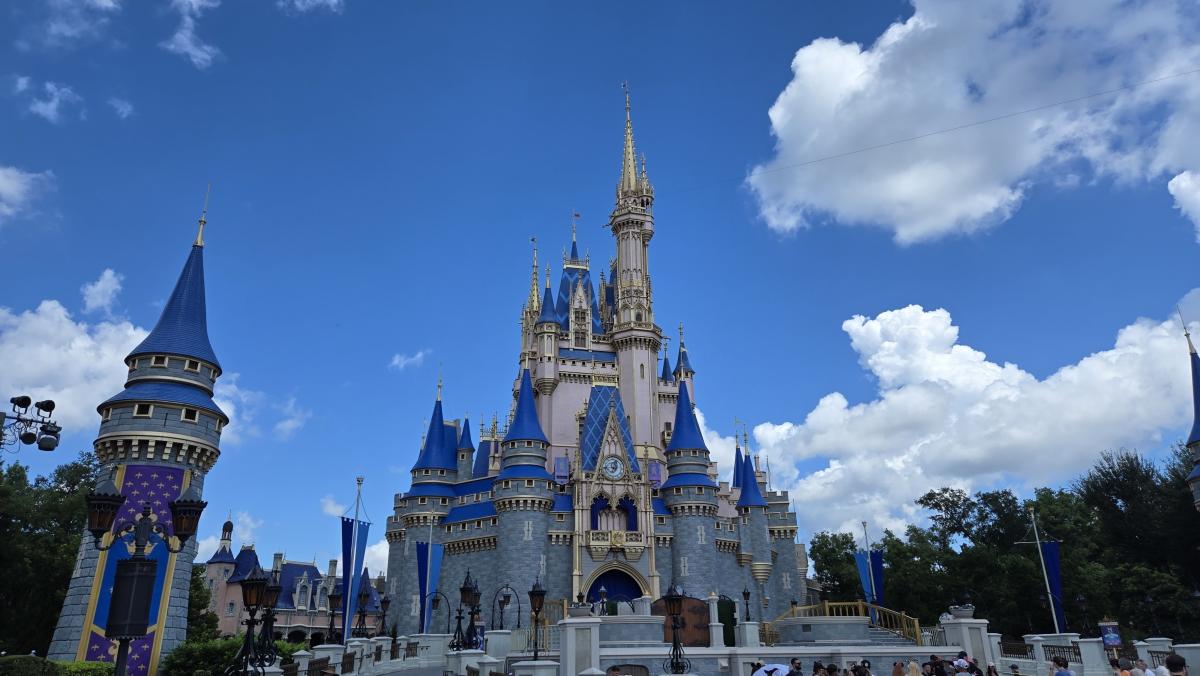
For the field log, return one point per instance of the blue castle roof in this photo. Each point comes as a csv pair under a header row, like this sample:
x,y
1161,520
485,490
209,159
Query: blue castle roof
x,y
222,555
595,422
660,507
243,565
736,481
666,370
563,502
290,574
549,312
182,328
475,510
482,459
437,453
682,363
688,479
686,433
525,425
1195,435
566,287
751,495
167,392
464,440
524,472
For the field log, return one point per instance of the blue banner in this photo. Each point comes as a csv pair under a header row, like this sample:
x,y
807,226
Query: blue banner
x,y
429,571
870,575
562,471
1054,578
354,547
877,575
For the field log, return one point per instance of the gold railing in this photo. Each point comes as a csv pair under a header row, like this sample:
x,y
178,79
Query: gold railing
x,y
879,617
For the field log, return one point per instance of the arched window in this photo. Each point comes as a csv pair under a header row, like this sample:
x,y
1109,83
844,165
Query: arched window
x,y
626,505
229,609
599,505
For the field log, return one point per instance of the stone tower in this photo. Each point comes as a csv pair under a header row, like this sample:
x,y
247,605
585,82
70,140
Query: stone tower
x,y
755,549
158,436
692,498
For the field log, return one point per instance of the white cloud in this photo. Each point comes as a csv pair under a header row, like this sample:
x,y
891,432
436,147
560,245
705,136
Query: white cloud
x,y
20,83
952,64
47,354
376,558
1185,188
293,419
245,527
241,405
184,41
57,99
121,107
102,293
309,5
946,415
402,361
19,189
205,547
332,507
65,23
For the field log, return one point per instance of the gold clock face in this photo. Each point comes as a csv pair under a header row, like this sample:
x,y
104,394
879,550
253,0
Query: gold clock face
x,y
613,467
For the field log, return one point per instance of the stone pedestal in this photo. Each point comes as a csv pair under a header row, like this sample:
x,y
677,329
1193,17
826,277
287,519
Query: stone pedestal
x,y
1095,661
488,664
333,651
538,668
716,630
302,657
433,646
1161,644
1189,652
971,634
457,661
1062,639
1039,652
746,634
498,643
579,644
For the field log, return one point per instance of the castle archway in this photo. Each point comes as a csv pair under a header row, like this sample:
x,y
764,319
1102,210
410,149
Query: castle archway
x,y
617,583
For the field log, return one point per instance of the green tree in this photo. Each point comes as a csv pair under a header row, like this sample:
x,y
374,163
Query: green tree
x,y
201,622
832,555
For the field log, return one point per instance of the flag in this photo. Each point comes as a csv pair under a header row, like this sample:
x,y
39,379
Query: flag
x,y
870,574
1053,561
429,571
354,547
655,474
562,471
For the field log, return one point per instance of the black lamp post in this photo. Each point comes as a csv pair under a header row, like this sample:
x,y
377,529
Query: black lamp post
x,y
335,602
506,594
676,663
437,597
129,607
28,429
364,596
464,599
746,600
603,600
475,635
266,651
254,595
537,597
384,604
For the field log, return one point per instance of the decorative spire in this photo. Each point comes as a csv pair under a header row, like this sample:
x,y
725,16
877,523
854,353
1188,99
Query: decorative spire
x,y
439,387
533,283
736,481
686,433
464,442
433,455
629,179
525,425
203,218
666,369
548,313
751,494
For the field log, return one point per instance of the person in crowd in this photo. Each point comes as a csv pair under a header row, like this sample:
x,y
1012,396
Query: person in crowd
x,y
864,668
756,665
1140,668
1059,667
613,671
797,669
991,670
897,669
1115,665
1176,665
927,669
819,669
939,665
1014,669
1124,666
913,669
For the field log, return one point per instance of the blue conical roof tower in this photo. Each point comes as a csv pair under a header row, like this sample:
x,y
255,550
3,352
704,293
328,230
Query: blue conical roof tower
x,y
434,454
751,494
464,440
525,445
666,376
182,329
736,480
686,433
548,314
525,425
687,455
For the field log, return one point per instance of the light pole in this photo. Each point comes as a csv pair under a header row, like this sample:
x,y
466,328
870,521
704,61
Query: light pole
x,y
335,602
537,596
746,600
254,592
266,651
505,599
129,607
438,596
464,599
384,603
363,597
676,663
603,600
21,427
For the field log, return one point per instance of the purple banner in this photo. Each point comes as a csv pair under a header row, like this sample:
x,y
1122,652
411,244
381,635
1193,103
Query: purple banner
x,y
562,471
655,474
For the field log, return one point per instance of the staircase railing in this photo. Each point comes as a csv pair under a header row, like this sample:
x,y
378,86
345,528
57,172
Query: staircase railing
x,y
879,617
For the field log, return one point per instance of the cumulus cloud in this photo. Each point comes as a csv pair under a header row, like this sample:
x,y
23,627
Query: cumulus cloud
x,y
19,189
56,100
20,83
376,558
946,415
245,527
332,507
309,5
402,361
294,417
121,107
102,293
65,23
184,41
241,404
952,64
205,547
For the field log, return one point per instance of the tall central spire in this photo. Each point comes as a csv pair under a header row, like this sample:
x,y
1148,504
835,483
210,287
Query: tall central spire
x,y
629,177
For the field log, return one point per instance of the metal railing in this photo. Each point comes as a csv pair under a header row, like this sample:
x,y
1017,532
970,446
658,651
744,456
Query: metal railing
x,y
1158,658
1068,652
887,619
548,639
1016,651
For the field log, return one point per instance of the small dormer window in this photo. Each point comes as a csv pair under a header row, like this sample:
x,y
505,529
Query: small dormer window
x,y
133,364
190,415
192,365
159,360
424,472
212,374
444,501
143,410
420,501
661,520
494,521
441,472
479,523
678,490
529,483
106,414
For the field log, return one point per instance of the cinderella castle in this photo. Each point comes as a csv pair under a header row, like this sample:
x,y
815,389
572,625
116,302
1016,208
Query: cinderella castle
x,y
601,478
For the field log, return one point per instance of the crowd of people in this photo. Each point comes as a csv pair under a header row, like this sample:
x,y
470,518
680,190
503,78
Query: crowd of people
x,y
965,665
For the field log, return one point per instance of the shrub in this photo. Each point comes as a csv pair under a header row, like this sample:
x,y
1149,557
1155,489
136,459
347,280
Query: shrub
x,y
192,656
28,665
86,668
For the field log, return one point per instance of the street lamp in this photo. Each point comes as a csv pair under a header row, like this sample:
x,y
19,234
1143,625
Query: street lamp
x,y
475,634
464,599
676,663
537,596
335,602
129,606
254,596
508,595
266,652
746,600
364,596
384,603
603,600
30,429
437,597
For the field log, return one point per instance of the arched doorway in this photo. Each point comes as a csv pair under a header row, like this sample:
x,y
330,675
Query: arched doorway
x,y
617,584
296,636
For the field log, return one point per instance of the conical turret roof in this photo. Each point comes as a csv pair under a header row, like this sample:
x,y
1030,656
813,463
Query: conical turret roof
x,y
751,494
525,425
686,433
182,328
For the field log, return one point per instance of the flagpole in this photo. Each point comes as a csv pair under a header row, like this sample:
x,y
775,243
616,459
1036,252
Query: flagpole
x,y
1037,539
354,574
870,566
428,579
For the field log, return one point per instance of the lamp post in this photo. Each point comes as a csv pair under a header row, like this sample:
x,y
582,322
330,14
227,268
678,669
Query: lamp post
x,y
265,650
363,597
508,595
603,600
746,600
464,597
676,663
537,596
129,607
474,634
438,596
335,602
21,427
254,592
384,604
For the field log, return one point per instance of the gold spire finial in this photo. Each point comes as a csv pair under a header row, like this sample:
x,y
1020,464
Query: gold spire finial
x,y
681,334
547,276
628,184
203,217
535,301
574,217
439,389
1186,334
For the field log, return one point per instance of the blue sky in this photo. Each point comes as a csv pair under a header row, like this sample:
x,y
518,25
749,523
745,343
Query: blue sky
x,y
379,168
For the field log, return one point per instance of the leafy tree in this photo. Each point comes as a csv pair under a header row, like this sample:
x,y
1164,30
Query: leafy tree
x,y
833,557
201,622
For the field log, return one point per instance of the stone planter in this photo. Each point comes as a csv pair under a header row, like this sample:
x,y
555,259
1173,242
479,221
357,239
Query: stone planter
x,y
579,611
963,612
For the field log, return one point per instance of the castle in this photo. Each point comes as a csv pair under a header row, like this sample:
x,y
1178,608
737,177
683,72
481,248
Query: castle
x,y
601,478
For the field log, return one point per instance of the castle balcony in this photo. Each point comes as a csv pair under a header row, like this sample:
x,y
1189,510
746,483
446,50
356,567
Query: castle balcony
x,y
601,542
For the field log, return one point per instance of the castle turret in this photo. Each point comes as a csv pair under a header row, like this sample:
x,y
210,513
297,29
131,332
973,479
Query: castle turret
x,y
160,436
466,451
755,550
690,495
523,494
546,368
736,480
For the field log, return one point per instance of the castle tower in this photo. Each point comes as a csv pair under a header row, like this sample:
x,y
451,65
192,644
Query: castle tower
x,y
684,372
466,451
546,367
692,498
634,334
755,549
159,436
523,496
